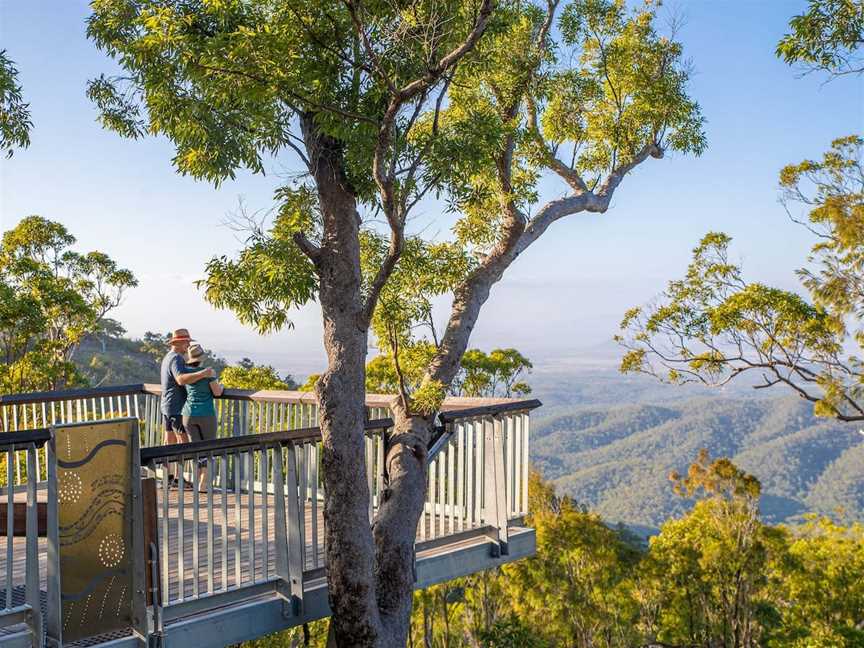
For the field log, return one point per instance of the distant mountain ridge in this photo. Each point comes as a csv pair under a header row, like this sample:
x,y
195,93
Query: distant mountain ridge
x,y
616,459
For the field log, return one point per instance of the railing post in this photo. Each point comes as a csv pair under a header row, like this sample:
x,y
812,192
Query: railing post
x,y
494,482
34,615
53,620
139,547
289,550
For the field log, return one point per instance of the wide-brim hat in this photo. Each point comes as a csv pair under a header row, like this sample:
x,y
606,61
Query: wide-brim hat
x,y
180,335
195,353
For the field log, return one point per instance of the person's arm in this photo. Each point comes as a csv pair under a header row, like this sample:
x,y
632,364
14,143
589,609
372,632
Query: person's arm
x,y
216,388
186,378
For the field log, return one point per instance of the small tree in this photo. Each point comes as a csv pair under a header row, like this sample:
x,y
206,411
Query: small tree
x,y
710,566
575,591
50,298
818,586
248,375
712,326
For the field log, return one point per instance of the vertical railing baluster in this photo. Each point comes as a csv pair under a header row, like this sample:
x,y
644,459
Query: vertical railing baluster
x,y
195,520
223,483
451,484
280,536
148,423
265,521
526,421
250,510
53,611
166,534
295,549
433,475
516,430
313,478
442,483
31,565
508,464
10,523
238,522
15,454
303,460
460,474
210,523
181,537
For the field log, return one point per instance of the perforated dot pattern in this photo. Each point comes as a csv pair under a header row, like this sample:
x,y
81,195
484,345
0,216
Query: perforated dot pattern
x,y
111,550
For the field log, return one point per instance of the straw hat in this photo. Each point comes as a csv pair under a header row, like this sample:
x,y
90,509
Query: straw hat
x,y
195,353
180,335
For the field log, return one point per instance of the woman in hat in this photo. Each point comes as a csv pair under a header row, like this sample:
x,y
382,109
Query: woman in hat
x,y
199,411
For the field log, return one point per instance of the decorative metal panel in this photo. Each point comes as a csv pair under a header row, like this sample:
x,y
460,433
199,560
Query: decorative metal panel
x,y
94,494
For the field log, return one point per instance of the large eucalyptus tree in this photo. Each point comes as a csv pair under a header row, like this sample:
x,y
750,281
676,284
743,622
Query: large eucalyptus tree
x,y
387,103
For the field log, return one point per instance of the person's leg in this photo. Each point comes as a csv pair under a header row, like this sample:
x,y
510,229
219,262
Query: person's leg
x,y
208,427
182,436
192,425
170,438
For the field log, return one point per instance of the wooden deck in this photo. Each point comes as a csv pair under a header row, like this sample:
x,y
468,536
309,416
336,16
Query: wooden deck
x,y
238,549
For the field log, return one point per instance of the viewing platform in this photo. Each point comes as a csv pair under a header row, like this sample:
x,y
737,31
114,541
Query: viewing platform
x,y
100,549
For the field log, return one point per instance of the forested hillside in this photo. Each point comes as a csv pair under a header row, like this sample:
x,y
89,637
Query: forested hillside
x,y
616,459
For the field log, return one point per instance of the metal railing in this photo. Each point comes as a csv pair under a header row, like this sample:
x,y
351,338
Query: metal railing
x,y
241,413
20,599
239,520
256,523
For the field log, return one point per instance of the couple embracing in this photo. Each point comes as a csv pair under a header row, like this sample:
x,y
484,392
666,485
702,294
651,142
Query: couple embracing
x,y
188,410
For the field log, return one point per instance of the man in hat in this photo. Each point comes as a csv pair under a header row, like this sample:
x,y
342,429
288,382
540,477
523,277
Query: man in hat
x,y
174,376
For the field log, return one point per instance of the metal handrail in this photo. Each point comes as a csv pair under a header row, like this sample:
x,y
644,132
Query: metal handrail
x,y
71,394
38,437
283,437
448,416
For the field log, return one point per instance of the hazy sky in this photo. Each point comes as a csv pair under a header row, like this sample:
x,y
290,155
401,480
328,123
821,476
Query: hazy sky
x,y
562,299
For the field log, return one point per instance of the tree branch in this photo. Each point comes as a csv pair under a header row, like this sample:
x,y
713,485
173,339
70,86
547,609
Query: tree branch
x,y
650,149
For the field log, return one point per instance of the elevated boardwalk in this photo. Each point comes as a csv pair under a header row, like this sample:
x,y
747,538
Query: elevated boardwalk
x,y
244,558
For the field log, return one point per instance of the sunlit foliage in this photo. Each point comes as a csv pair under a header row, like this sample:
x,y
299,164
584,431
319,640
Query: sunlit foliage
x,y
713,325
50,297
826,37
15,122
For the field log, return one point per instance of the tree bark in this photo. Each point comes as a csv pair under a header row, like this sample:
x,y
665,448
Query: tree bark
x,y
370,570
395,528
348,542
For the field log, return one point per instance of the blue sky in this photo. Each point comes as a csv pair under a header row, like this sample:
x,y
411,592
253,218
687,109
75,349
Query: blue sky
x,y
562,299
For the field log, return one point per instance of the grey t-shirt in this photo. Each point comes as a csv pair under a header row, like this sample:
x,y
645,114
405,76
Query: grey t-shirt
x,y
173,395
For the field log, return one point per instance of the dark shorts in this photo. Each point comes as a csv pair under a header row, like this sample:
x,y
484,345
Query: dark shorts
x,y
200,428
173,423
